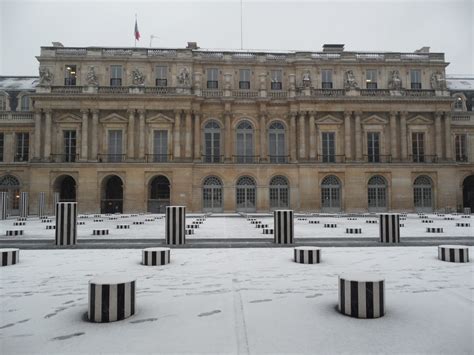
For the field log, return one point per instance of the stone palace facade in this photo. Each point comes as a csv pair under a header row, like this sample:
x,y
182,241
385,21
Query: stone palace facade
x,y
136,129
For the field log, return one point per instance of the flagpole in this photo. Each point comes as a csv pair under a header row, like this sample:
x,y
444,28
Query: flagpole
x,y
241,40
134,35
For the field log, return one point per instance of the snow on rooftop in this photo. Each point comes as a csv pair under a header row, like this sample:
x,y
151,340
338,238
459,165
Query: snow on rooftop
x,y
460,81
9,83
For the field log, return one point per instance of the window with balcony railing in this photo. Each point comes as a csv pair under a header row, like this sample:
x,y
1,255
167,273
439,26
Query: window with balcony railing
x,y
418,147
69,146
326,79
329,147
415,77
25,103
276,79
115,75
212,142
212,78
22,147
244,82
161,79
371,79
70,75
460,143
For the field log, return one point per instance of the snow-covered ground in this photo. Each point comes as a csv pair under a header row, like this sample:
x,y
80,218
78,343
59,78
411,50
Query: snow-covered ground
x,y
228,226
237,301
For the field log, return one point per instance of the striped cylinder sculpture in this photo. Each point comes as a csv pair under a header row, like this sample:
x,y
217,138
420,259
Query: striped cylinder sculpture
x,y
3,205
283,229
100,232
156,256
111,298
361,296
13,232
307,255
453,253
24,203
41,204
175,225
66,223
389,228
10,256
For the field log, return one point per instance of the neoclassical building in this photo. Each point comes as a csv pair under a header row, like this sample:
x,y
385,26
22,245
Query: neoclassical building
x,y
136,129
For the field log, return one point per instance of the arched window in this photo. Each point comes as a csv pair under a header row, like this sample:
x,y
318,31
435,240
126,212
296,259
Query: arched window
x,y
244,143
65,185
212,194
331,194
158,194
25,103
377,194
11,186
279,193
246,194
459,104
212,142
276,143
423,194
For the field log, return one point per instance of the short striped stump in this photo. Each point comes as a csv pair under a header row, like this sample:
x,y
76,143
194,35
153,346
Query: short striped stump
x,y
313,222
448,218
453,253
307,255
98,220
255,222
267,230
261,226
80,223
97,215
465,216
100,232
434,230
189,231
389,228
352,219
463,224
10,256
13,232
21,219
149,220
371,221
361,295
123,226
156,256
51,227
330,225
19,223
192,226
138,222
46,220
427,221
111,298
353,230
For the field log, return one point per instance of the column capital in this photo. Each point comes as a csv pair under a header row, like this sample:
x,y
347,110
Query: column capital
x,y
84,111
447,115
393,113
403,114
438,114
131,111
141,112
47,111
347,114
357,113
95,111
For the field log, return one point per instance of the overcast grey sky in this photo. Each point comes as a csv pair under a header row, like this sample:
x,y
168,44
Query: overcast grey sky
x,y
396,25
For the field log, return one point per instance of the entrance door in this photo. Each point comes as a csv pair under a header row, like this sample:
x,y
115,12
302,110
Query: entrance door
x,y
246,195
112,201
159,194
212,195
423,194
468,192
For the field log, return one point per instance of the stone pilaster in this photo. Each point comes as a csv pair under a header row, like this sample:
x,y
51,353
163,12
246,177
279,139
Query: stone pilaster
x,y
95,134
141,134
358,136
403,136
228,137
131,135
447,130
177,135
85,135
312,137
197,137
37,135
438,135
263,138
393,135
302,136
47,135
188,136
347,135
293,137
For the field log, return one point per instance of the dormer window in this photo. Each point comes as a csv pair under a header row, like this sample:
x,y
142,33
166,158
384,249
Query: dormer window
x,y
70,74
459,104
3,103
25,103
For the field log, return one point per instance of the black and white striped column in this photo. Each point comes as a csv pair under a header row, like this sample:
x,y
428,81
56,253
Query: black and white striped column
x,y
175,225
111,298
453,253
389,228
156,256
55,201
41,204
362,296
10,256
283,229
307,255
3,205
24,203
66,223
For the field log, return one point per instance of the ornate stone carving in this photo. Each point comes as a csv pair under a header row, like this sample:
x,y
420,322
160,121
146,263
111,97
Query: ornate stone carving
x,y
350,81
91,77
306,78
138,78
438,82
395,83
184,78
46,77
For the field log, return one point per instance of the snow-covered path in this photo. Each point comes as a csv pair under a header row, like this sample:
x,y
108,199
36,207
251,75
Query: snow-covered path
x,y
237,301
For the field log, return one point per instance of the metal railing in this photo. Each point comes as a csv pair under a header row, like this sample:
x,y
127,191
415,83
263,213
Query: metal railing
x,y
374,92
205,158
423,158
64,158
245,159
331,158
327,92
245,94
278,159
21,158
158,158
212,93
378,158
160,90
110,158
419,93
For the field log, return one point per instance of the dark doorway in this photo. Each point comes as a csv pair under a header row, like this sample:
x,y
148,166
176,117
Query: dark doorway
x,y
67,189
468,192
112,195
159,194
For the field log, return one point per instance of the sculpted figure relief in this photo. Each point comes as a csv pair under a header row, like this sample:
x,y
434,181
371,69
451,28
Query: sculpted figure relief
x,y
350,81
184,77
46,77
138,78
395,82
306,79
438,82
91,77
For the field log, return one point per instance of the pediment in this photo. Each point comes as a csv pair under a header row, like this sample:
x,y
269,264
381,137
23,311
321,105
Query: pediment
x,y
329,119
68,118
114,118
374,119
419,120
160,118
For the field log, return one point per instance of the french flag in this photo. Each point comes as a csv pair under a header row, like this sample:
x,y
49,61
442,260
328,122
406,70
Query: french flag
x,y
137,32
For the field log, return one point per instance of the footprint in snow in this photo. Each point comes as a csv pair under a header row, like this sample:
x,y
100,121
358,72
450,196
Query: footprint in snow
x,y
65,337
314,296
209,313
260,301
143,320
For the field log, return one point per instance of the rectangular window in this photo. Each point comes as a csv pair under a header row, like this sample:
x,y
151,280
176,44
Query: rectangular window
x,y
70,74
212,78
2,142
415,77
244,82
371,79
22,146
326,78
461,147
69,146
115,75
3,103
373,147
25,103
161,79
418,147
115,146
329,147
160,146
277,79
